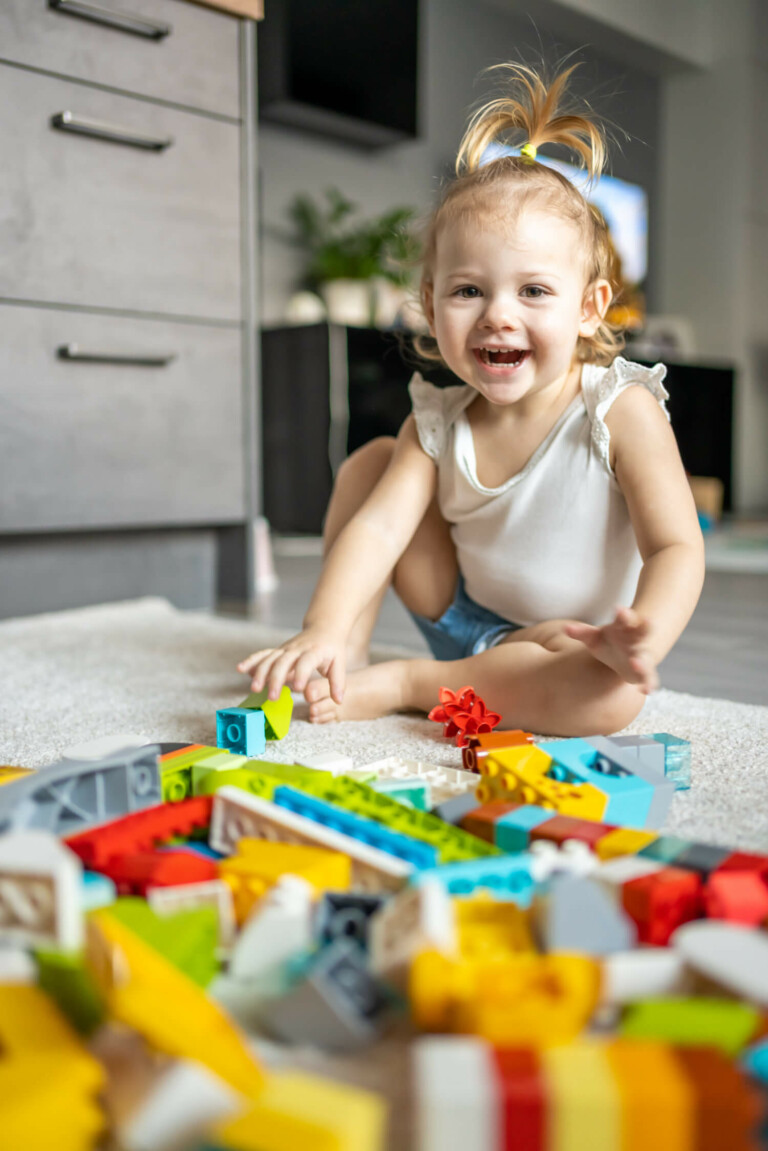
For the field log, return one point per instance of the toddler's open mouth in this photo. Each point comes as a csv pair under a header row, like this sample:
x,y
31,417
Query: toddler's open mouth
x,y
501,357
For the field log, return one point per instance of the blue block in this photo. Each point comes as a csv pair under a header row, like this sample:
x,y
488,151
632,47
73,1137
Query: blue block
x,y
505,876
576,761
754,1060
359,827
677,759
241,731
97,890
511,832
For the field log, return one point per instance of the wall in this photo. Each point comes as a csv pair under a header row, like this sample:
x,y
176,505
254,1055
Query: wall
x,y
459,40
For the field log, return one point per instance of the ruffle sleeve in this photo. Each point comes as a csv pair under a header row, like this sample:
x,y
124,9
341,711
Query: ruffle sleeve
x,y
605,384
435,410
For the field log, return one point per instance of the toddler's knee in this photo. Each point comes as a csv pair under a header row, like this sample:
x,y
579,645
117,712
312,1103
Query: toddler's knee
x,y
618,709
369,461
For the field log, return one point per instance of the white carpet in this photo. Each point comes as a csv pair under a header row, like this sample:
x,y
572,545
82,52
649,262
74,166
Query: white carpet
x,y
146,668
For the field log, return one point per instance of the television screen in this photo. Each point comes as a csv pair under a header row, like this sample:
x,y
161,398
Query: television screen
x,y
624,205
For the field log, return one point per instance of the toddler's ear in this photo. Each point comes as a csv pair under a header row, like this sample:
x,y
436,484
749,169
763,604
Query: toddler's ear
x,y
597,300
428,304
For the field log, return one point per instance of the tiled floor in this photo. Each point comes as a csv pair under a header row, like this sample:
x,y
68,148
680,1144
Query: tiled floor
x,y
723,652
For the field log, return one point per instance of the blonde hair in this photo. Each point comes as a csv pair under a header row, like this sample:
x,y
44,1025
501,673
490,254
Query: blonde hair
x,y
532,111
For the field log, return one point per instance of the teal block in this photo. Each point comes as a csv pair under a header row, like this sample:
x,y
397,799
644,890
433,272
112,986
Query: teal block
x,y
677,759
576,761
504,876
240,730
412,793
512,832
666,848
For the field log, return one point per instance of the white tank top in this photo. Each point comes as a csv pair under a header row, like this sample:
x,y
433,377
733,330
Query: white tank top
x,y
555,541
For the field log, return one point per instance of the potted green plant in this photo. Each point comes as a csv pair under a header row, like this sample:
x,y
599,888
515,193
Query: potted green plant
x,y
348,261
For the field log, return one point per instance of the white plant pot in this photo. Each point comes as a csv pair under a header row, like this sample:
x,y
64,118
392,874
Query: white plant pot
x,y
348,302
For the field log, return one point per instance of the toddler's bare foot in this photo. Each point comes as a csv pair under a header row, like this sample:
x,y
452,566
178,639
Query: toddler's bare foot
x,y
622,646
369,693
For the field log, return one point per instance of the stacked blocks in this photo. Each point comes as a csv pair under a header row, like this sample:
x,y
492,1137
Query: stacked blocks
x,y
246,729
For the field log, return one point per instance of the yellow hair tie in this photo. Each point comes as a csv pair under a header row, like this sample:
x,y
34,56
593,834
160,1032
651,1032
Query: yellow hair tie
x,y
529,150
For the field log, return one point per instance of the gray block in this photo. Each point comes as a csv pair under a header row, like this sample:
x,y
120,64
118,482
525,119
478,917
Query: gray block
x,y
578,914
454,809
627,761
650,751
67,797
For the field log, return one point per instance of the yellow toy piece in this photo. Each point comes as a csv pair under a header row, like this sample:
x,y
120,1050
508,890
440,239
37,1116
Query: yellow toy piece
x,y
519,774
299,1111
623,841
9,773
502,771
653,1087
259,863
277,712
145,992
48,1080
491,929
523,1000
583,1097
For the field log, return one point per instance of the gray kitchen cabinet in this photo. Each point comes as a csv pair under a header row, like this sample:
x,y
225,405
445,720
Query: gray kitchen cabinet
x,y
128,366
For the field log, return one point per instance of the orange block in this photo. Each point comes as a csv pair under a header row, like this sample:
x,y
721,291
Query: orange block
x,y
658,1103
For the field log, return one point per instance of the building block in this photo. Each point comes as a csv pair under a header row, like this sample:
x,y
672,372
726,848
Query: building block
x,y
296,1110
722,1023
67,795
17,966
346,915
241,730
577,914
561,828
279,929
665,849
529,775
745,861
623,841
482,821
277,712
444,782
140,831
505,877
463,713
187,938
413,792
584,1097
513,829
213,893
185,1101
489,928
636,766
417,919
237,816
478,746
135,872
727,1109
8,773
702,858
522,1093
644,973
49,1082
259,863
455,1093
337,1006
661,902
739,896
328,761
147,993
63,976
652,1082
642,747
629,798
41,891
455,810
732,955
97,890
677,759
755,1060
572,858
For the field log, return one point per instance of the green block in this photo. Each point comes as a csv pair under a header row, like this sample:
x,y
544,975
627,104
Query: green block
x,y
186,759
176,785
243,777
412,793
665,849
291,773
277,712
723,1023
221,761
65,978
187,939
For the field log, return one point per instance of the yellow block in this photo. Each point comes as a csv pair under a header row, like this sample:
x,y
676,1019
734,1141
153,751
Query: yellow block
x,y
624,841
298,1111
658,1103
584,1100
48,1080
9,773
259,863
490,928
146,992
519,774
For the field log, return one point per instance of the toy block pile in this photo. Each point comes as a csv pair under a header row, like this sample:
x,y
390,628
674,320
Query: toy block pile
x,y
561,969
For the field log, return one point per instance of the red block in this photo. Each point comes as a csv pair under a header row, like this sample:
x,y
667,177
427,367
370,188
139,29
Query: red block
x,y
522,1096
562,827
727,1107
659,903
745,861
140,831
482,821
739,896
134,873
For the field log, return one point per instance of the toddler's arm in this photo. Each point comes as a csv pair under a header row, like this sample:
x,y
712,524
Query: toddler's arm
x,y
650,473
359,563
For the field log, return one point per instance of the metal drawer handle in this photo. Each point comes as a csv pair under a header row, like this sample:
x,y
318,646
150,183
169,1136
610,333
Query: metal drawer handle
x,y
115,133
138,360
122,21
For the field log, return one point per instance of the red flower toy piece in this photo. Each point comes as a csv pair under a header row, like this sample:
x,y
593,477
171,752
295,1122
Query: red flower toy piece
x,y
463,714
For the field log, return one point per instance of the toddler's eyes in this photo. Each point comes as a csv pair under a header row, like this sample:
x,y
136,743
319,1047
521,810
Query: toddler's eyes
x,y
467,292
535,288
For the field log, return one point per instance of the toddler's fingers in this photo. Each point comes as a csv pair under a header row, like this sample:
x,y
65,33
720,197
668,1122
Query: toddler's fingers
x,y
305,665
280,672
250,661
262,669
336,678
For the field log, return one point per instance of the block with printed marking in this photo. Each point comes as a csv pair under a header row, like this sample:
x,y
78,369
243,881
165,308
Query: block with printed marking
x,y
241,730
41,891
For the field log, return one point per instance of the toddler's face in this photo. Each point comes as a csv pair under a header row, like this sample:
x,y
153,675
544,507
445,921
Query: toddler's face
x,y
507,303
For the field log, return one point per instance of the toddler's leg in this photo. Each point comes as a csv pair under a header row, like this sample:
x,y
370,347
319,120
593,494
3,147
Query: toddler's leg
x,y
425,577
539,679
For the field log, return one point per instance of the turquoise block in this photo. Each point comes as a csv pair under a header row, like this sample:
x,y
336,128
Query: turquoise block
x,y
755,1060
576,761
512,832
677,759
97,890
241,730
504,876
666,848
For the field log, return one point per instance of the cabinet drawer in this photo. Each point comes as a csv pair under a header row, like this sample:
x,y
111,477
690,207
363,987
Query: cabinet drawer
x,y
89,443
195,64
86,221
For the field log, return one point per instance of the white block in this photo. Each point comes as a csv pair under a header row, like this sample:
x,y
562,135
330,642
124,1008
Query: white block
x,y
17,966
620,870
444,782
456,1097
187,1100
186,896
418,918
41,895
732,955
328,761
278,929
647,973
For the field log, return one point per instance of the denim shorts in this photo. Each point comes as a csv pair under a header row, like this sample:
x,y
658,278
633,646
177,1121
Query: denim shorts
x,y
464,629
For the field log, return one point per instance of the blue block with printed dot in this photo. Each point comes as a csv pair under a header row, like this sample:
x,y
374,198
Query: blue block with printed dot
x,y
241,730
368,831
506,877
512,832
576,761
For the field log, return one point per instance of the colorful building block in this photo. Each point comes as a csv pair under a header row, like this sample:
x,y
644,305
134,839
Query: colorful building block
x,y
512,831
241,730
629,798
722,1023
259,864
661,902
505,877
277,712
623,841
616,757
677,759
41,891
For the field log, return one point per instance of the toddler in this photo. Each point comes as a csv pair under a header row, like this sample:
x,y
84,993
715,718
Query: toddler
x,y
516,510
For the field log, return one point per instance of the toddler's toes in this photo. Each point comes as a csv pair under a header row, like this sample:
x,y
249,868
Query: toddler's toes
x,y
325,711
317,690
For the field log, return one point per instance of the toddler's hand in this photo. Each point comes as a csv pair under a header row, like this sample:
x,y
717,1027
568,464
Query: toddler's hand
x,y
623,646
294,662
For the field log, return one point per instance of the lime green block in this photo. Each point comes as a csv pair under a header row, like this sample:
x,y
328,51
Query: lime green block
x,y
176,785
221,761
723,1023
291,773
187,758
64,976
187,939
277,712
243,777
